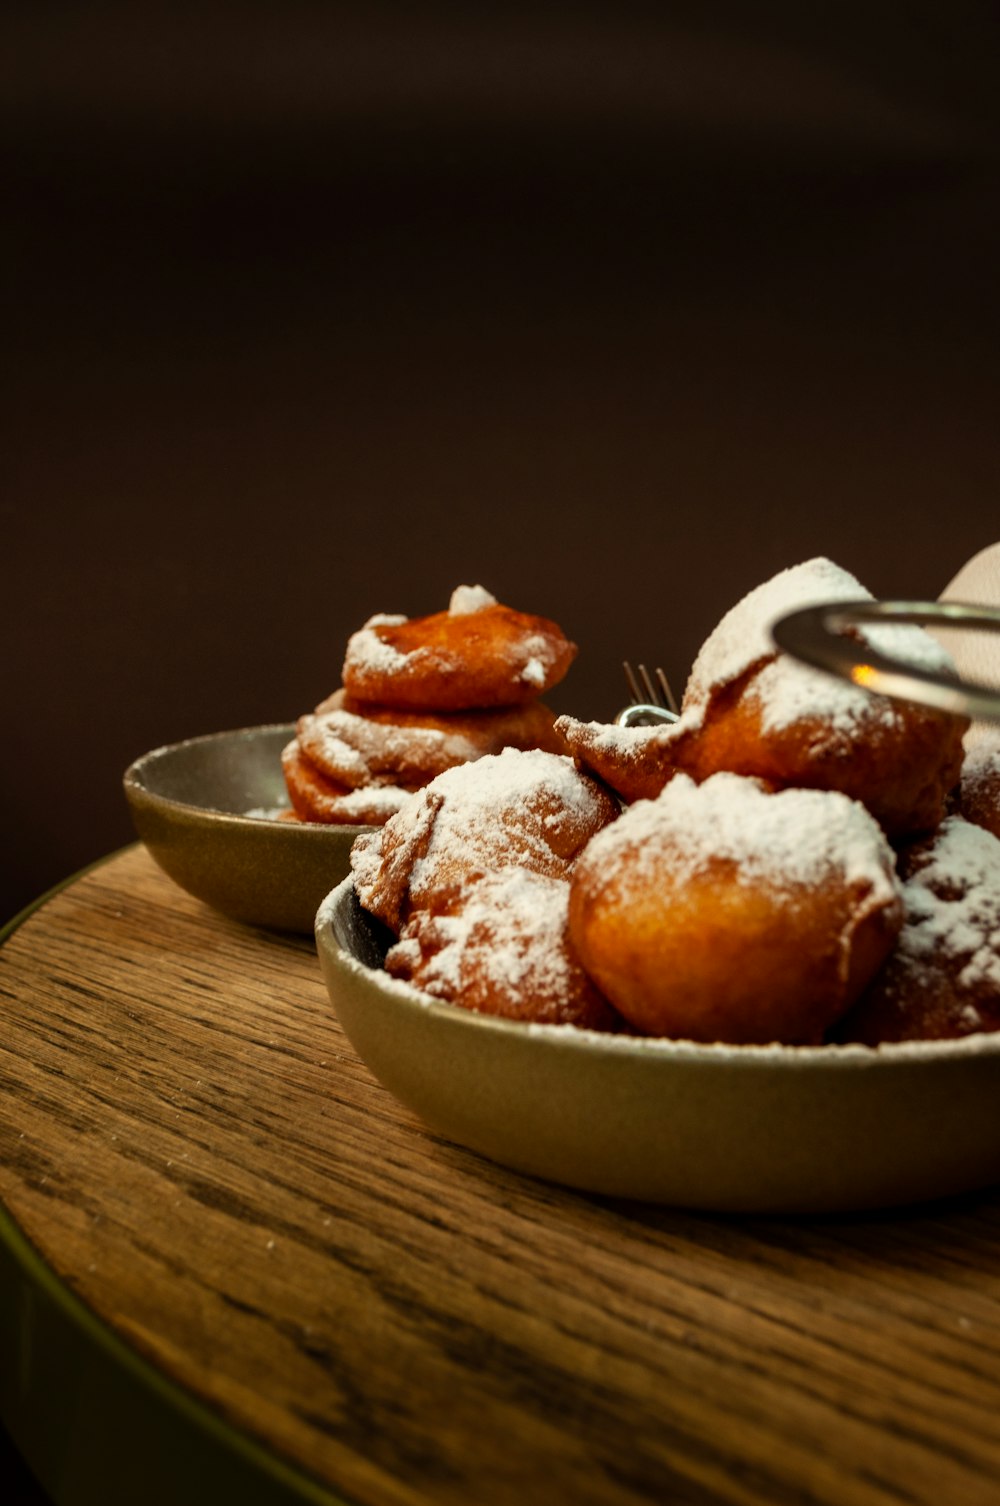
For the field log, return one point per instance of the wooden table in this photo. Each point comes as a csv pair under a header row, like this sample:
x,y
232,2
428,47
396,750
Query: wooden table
x,y
233,1268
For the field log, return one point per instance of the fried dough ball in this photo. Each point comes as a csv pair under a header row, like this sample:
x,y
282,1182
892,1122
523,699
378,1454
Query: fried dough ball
x,y
749,710
636,762
942,980
477,654
357,745
723,912
532,810
978,794
316,798
500,946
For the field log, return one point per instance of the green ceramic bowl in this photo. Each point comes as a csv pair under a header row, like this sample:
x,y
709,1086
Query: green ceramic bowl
x,y
208,811
762,1129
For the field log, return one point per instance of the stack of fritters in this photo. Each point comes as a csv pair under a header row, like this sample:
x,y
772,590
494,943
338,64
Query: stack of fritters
x,y
420,696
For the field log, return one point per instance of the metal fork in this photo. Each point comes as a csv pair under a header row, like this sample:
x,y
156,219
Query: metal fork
x,y
652,700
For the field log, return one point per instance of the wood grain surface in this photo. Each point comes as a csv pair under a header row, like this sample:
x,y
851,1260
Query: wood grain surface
x,y
188,1139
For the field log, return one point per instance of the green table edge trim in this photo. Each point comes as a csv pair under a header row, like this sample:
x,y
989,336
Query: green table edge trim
x,y
17,920
227,1459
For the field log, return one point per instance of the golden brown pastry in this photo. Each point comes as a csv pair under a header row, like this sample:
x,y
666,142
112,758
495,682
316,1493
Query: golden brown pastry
x,y
500,946
357,745
978,793
476,655
942,980
450,688
316,798
531,810
724,912
636,762
749,710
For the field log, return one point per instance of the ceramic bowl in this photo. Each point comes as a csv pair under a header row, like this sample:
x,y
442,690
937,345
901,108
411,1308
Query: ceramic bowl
x,y
208,811
763,1129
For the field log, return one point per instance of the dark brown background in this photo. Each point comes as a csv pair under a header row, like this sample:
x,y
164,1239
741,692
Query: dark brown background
x,y
318,311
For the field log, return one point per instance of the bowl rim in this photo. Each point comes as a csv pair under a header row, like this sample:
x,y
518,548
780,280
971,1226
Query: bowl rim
x,y
137,790
226,734
834,1056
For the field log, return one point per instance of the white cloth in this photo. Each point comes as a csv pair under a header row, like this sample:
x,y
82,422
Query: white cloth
x,y
976,653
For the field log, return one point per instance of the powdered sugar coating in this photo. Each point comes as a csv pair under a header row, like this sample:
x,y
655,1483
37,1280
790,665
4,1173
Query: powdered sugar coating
x,y
635,762
942,981
483,800
369,805
787,692
501,948
356,750
366,648
510,906
317,798
610,737
530,809
979,790
787,689
538,651
792,838
981,765
953,907
466,599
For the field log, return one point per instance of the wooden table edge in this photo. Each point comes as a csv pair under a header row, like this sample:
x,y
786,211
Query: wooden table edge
x,y
60,1356
18,919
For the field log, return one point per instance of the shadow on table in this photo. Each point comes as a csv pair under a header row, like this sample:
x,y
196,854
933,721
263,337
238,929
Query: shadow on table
x,y
19,1486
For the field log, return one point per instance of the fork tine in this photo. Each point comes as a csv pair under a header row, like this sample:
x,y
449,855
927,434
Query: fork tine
x,y
650,694
633,683
647,690
668,695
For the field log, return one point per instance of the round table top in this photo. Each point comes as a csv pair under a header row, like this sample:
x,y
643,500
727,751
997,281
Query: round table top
x,y
199,1177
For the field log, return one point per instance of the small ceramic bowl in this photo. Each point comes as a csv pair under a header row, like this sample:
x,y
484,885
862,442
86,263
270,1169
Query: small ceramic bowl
x,y
763,1129
209,811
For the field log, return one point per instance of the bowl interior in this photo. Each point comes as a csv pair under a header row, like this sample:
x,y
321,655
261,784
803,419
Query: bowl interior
x,y
206,810
233,772
356,931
